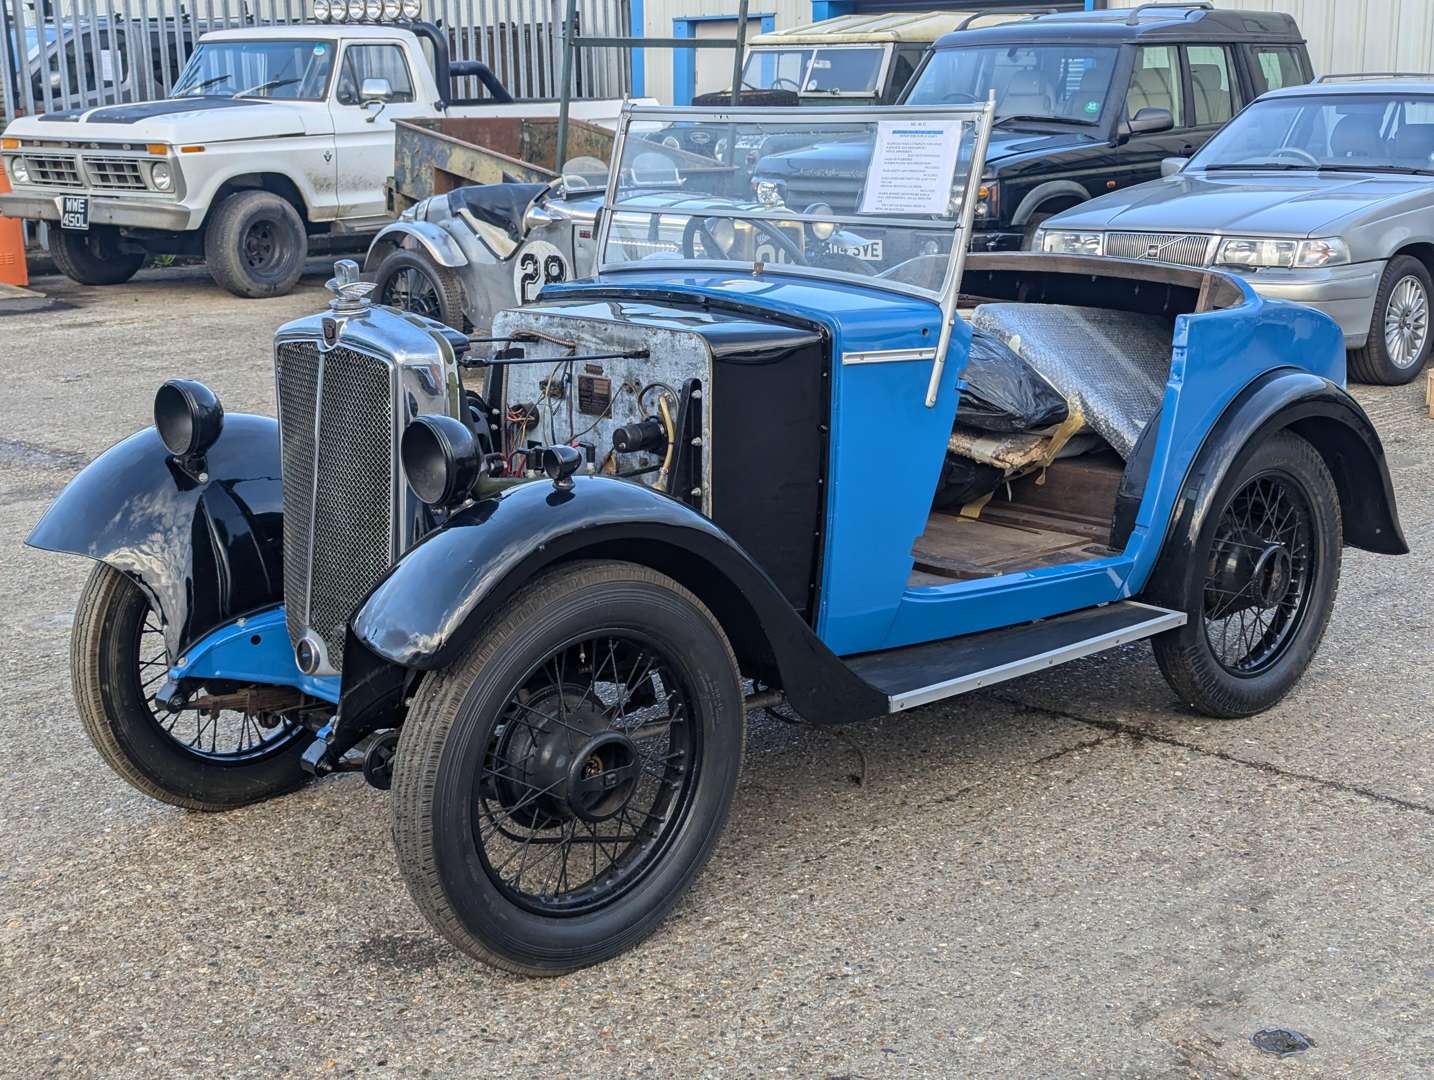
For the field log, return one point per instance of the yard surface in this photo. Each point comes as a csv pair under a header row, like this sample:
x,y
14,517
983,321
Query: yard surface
x,y
1068,876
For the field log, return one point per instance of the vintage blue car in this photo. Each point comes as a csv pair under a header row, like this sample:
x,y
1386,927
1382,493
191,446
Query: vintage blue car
x,y
535,581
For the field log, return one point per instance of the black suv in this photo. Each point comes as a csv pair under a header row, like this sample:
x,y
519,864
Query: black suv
x,y
1086,102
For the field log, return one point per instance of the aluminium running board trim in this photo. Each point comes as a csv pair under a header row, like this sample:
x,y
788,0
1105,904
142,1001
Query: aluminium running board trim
x,y
1160,619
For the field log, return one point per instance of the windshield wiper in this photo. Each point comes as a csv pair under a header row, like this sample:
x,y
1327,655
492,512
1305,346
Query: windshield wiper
x,y
193,90
1027,118
270,85
1270,166
1377,168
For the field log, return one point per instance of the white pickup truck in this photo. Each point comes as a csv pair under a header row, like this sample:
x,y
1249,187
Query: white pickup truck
x,y
272,135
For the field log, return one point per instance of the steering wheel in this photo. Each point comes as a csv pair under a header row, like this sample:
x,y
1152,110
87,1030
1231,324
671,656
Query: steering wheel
x,y
1295,151
960,97
777,84
697,228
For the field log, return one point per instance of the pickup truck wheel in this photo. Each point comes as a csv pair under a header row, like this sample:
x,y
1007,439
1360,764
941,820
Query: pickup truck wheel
x,y
1400,335
255,245
1260,583
118,660
411,281
558,788
93,257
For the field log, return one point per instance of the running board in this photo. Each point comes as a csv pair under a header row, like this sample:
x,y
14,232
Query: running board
x,y
920,674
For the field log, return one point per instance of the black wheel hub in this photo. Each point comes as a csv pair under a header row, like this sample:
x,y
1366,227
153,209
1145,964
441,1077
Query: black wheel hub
x,y
259,246
1252,569
587,770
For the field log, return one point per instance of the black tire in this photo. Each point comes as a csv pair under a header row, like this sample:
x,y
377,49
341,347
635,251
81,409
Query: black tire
x,y
1198,660
411,281
93,257
112,696
1401,305
454,762
255,245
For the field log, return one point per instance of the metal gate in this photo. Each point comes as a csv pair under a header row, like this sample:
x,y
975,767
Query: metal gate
x,y
63,54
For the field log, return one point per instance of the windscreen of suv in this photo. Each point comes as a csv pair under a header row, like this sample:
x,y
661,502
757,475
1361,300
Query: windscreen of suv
x,y
825,72
283,70
1339,132
1068,83
776,69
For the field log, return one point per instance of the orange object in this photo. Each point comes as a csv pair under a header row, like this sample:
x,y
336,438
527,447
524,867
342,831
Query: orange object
x,y
13,270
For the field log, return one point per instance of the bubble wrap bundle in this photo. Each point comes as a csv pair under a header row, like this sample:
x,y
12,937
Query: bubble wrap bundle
x,y
1111,365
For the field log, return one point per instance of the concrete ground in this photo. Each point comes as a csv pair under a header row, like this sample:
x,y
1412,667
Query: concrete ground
x,y
1068,876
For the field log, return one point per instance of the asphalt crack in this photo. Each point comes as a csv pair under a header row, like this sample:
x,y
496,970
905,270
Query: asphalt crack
x,y
1115,729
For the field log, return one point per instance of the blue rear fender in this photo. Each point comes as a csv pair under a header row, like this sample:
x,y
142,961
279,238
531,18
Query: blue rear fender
x,y
441,593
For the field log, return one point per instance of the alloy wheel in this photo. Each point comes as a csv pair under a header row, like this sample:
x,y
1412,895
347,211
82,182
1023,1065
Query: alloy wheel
x,y
1406,322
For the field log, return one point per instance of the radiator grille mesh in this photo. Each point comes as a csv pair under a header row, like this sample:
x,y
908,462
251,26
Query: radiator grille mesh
x,y
1184,249
347,518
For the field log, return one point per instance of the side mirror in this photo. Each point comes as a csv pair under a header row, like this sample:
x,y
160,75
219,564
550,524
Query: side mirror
x,y
1147,121
1172,165
374,95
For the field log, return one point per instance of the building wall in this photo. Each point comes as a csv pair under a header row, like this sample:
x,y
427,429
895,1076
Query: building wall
x,y
1356,35
706,21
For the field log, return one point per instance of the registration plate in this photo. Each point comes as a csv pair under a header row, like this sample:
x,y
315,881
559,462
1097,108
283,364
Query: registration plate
x,y
74,212
866,250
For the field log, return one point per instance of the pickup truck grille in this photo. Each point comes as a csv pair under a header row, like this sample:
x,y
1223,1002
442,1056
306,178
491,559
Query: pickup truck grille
x,y
113,173
1184,249
53,170
341,485
839,193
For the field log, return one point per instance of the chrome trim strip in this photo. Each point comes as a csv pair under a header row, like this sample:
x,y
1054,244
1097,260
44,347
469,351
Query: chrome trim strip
x,y
1161,621
887,356
314,510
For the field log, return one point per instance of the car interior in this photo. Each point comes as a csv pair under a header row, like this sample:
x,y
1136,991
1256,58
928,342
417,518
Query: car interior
x,y
1026,485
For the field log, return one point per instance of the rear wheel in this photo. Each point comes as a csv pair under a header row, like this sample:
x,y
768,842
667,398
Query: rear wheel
x,y
118,661
411,281
255,245
1400,337
1260,583
559,787
93,257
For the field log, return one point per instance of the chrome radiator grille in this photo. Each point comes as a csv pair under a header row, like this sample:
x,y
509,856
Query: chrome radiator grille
x,y
1185,249
339,492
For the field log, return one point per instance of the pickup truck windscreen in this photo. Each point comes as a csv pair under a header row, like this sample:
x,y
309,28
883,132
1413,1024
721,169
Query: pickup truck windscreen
x,y
279,70
1066,83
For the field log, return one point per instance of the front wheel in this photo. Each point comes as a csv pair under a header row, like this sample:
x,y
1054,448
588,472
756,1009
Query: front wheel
x,y
558,788
255,244
1400,337
411,281
200,760
1259,584
94,256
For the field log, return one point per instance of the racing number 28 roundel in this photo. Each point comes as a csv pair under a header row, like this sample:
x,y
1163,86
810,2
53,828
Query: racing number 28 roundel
x,y
538,263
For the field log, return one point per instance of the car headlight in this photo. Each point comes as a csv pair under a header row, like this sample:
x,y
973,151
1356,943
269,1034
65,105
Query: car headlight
x,y
1256,252
723,232
822,230
19,171
161,176
392,9
323,10
768,192
373,10
1065,242
986,200
410,9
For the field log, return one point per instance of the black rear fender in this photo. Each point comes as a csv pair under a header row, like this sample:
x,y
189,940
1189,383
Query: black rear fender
x,y
203,543
1317,410
441,593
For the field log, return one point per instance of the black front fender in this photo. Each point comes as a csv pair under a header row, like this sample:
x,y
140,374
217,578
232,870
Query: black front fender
x,y
1319,411
439,595
205,546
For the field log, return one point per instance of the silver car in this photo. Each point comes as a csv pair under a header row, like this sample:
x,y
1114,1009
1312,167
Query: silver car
x,y
1321,194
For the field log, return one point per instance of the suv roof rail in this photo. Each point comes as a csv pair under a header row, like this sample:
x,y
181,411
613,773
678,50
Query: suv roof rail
x,y
969,19
1140,9
1351,76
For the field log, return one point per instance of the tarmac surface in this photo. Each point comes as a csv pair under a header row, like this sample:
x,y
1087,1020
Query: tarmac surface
x,y
1067,876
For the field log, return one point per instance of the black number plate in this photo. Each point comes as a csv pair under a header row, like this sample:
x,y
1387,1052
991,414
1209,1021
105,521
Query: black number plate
x,y
74,212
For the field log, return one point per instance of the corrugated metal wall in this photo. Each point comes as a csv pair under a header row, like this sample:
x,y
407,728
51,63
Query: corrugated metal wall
x,y
658,17
1356,35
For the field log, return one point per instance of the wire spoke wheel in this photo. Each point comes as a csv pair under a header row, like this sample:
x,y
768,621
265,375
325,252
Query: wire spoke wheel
x,y
587,775
220,737
1261,571
410,289
1406,321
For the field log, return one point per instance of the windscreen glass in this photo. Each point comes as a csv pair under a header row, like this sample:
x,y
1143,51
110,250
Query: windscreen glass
x,y
776,69
849,71
1066,83
876,196
1340,132
280,70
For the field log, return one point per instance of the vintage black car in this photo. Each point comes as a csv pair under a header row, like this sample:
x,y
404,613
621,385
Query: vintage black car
x,y
535,581
1086,102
